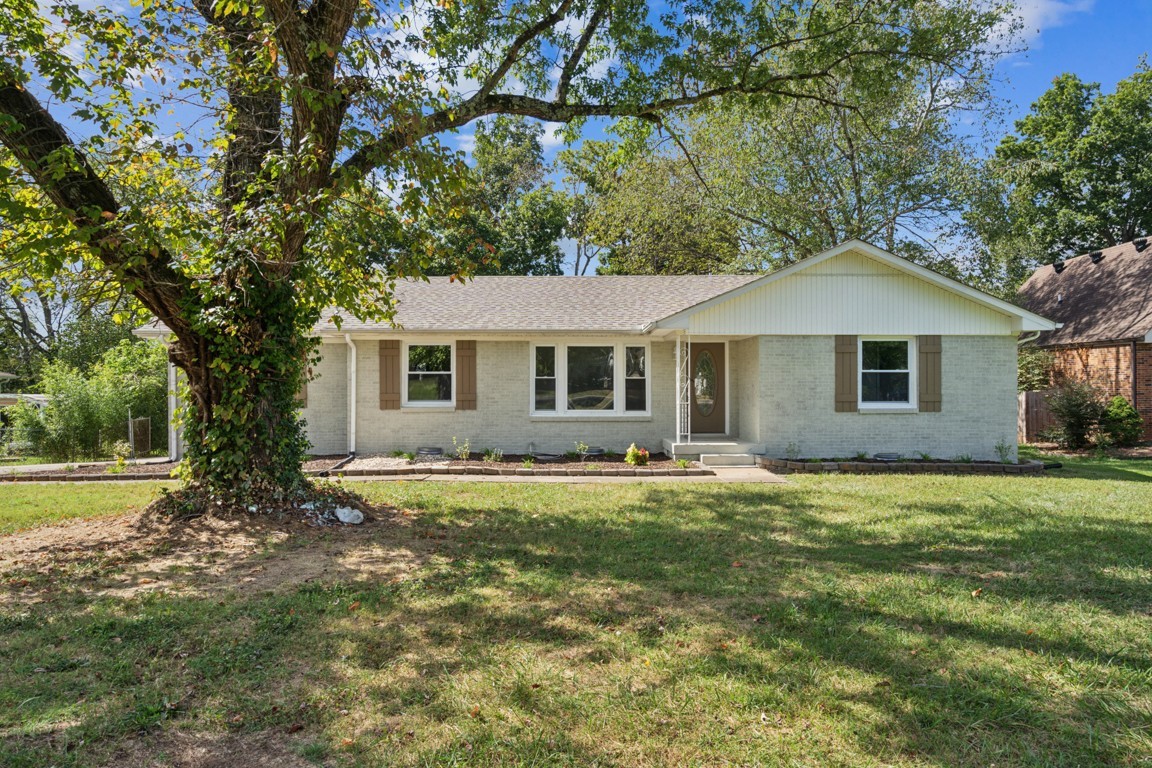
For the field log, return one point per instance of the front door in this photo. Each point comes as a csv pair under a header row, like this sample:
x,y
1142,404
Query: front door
x,y
707,388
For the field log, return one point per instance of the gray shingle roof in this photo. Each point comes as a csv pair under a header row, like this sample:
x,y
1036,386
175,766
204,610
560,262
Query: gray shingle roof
x,y
1106,301
513,304
615,303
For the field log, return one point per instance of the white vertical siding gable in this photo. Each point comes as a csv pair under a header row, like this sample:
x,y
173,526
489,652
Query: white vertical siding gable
x,y
851,293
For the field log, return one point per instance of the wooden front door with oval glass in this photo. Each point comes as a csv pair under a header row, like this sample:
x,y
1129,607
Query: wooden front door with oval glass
x,y
707,389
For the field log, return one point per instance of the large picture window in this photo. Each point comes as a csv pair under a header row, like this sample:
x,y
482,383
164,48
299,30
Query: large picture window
x,y
590,379
886,378
429,374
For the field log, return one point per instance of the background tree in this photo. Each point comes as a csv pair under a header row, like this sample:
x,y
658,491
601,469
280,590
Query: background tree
x,y
1074,177
519,216
237,224
750,185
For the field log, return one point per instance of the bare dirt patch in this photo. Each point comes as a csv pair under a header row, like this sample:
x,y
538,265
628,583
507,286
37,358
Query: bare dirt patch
x,y
176,749
142,552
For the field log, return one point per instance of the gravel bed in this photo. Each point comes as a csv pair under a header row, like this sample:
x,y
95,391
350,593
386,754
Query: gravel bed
x,y
381,461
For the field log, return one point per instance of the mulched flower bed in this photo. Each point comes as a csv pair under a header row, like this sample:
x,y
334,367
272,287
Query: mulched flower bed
x,y
872,465
513,464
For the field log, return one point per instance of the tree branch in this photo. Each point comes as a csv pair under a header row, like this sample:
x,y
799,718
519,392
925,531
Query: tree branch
x,y
578,53
62,172
512,55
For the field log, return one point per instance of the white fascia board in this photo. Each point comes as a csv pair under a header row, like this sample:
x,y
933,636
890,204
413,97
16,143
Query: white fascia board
x,y
1029,320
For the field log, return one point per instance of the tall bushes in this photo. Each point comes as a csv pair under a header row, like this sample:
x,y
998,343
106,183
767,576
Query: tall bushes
x,y
1084,415
86,414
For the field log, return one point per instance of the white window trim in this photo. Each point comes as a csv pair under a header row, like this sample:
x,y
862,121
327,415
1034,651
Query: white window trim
x,y
405,345
913,388
619,374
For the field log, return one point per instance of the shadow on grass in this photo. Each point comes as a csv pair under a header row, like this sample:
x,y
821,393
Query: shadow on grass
x,y
767,609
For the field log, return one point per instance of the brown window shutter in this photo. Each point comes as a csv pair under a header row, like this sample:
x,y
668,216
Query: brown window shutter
x,y
390,375
928,373
466,375
846,374
302,395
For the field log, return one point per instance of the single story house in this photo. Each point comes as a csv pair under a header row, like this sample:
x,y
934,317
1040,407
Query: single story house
x,y
853,350
1103,300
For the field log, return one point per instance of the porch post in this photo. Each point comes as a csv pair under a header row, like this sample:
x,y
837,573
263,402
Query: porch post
x,y
688,383
679,391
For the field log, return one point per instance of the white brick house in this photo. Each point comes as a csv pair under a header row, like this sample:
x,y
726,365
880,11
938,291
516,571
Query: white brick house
x,y
851,350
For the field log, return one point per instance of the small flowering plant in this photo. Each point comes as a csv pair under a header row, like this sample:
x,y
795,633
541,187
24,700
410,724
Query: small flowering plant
x,y
637,457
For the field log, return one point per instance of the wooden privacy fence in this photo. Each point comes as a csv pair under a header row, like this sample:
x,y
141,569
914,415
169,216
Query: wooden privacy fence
x,y
1033,416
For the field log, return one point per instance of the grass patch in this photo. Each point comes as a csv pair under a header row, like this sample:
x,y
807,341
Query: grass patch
x,y
26,505
836,620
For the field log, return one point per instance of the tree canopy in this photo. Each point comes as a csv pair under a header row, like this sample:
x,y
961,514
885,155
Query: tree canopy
x,y
741,185
518,216
1074,176
224,162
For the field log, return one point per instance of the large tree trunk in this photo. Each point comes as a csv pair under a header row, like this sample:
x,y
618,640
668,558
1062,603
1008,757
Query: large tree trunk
x,y
244,372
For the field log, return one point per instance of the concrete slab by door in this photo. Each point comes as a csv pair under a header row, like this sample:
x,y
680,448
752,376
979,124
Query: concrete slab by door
x,y
708,388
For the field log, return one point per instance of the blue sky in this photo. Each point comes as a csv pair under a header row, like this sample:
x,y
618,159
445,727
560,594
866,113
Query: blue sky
x,y
1099,40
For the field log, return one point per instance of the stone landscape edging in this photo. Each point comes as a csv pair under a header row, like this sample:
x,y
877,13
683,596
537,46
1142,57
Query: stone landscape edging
x,y
76,477
785,466
525,472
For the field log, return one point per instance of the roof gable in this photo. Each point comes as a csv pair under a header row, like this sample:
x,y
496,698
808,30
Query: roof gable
x,y
855,288
1106,300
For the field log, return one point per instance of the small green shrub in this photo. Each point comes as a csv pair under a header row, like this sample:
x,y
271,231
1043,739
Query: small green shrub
x,y
493,455
461,450
528,462
1004,451
1077,407
964,458
581,447
683,463
924,455
1121,422
637,457
792,452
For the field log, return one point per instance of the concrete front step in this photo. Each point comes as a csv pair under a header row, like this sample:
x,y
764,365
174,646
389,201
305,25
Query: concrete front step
x,y
727,459
703,446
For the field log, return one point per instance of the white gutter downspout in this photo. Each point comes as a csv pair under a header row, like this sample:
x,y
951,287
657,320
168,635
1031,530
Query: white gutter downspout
x,y
1035,335
351,394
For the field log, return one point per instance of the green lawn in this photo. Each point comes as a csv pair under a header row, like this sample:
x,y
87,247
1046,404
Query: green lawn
x,y
833,621
25,505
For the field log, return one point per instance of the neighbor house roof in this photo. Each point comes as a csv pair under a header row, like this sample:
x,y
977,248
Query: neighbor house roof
x,y
1099,297
507,304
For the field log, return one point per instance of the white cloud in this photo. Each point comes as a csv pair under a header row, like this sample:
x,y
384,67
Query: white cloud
x,y
1039,15
552,138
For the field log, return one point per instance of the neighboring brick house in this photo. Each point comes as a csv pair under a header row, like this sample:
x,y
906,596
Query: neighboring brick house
x,y
1104,300
851,350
